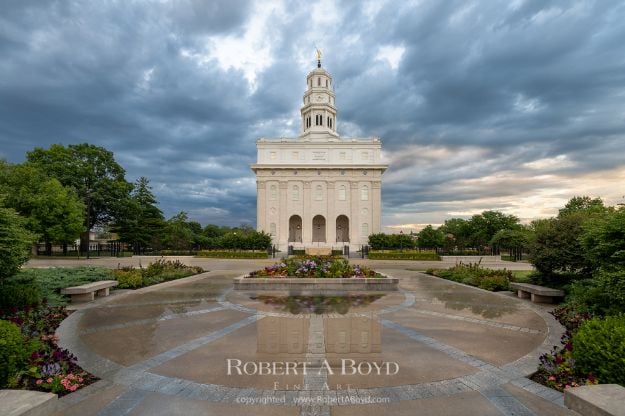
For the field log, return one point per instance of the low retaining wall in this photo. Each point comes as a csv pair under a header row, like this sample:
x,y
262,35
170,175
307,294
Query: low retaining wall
x,y
316,284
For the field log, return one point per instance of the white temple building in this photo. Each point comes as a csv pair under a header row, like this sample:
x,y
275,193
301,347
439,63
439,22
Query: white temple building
x,y
319,190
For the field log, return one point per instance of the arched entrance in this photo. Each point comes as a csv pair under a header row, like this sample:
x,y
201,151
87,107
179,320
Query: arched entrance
x,y
319,229
342,229
295,229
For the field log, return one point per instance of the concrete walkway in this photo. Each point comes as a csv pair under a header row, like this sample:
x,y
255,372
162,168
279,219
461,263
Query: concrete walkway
x,y
165,350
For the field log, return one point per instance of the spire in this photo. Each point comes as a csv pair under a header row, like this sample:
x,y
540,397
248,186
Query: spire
x,y
318,110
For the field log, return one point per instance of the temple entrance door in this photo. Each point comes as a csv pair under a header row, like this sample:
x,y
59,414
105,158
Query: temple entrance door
x,y
342,229
319,229
295,229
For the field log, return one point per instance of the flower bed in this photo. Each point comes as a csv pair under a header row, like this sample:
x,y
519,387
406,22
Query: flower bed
x,y
316,273
557,368
315,267
475,275
159,271
39,363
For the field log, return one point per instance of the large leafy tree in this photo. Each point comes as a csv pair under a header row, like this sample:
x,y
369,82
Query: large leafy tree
x,y
603,240
583,204
177,234
95,176
484,226
15,242
430,237
142,221
52,211
457,232
556,248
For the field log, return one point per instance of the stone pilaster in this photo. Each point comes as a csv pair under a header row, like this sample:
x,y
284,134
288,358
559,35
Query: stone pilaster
x,y
283,224
261,204
331,220
376,207
354,221
307,219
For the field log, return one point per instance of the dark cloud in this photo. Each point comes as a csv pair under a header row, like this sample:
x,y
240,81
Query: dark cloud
x,y
489,100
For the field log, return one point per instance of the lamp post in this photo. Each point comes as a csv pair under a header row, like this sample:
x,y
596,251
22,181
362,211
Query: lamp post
x,y
401,241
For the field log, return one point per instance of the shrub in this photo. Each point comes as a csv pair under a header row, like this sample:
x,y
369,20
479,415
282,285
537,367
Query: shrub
x,y
599,347
494,283
404,255
475,275
156,272
602,295
224,254
18,295
129,279
13,352
50,281
15,242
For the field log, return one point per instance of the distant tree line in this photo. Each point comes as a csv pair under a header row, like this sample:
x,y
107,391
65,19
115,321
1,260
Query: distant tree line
x,y
62,193
480,232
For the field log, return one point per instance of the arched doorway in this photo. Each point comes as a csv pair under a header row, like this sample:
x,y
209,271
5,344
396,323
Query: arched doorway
x,y
295,229
319,229
342,229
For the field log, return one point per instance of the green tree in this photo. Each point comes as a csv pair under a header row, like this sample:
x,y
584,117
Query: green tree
x,y
378,241
213,231
484,226
177,234
95,176
15,242
430,237
584,204
142,222
603,240
508,239
52,211
515,241
556,247
457,232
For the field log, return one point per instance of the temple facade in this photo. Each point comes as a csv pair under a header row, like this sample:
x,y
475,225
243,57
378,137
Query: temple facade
x,y
319,190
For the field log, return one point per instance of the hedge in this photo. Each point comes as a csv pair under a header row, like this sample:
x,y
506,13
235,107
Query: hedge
x,y
404,255
232,254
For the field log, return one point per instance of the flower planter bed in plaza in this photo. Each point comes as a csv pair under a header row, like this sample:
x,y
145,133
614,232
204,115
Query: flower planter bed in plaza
x,y
315,273
30,357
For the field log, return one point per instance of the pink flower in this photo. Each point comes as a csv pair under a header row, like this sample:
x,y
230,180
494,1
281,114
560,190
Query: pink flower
x,y
38,382
49,380
552,378
74,387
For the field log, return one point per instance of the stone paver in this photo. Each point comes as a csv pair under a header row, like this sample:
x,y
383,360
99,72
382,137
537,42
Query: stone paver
x,y
439,375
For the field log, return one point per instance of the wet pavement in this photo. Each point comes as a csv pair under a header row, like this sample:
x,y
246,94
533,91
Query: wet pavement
x,y
196,346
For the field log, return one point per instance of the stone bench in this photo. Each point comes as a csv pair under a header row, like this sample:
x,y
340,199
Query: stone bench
x,y
536,293
86,292
599,400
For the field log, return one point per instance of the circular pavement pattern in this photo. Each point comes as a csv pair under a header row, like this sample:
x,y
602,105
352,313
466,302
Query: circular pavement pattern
x,y
196,346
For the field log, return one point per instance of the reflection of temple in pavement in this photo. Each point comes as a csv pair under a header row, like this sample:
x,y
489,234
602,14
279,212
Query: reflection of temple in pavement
x,y
356,337
279,335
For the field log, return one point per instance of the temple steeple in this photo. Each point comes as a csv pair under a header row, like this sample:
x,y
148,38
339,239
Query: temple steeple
x,y
319,111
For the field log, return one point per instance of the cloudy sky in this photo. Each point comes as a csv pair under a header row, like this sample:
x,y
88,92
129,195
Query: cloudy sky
x,y
507,105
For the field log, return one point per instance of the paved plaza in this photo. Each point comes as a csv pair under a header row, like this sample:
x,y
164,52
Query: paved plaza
x,y
196,346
